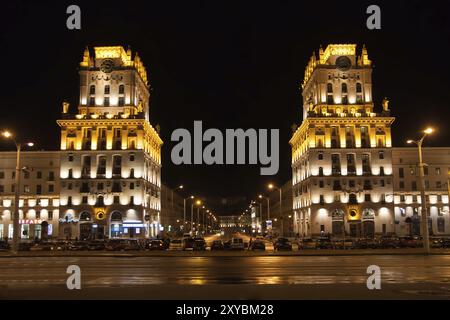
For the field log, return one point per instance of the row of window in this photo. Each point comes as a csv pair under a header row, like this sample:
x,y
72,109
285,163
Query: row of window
x,y
367,184
37,202
415,197
116,186
107,89
27,188
27,175
438,185
413,171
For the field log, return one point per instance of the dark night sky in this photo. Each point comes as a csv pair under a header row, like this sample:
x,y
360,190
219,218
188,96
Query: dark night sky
x,y
229,63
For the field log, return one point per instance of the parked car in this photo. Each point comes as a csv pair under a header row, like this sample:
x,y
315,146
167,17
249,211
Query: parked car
x,y
237,244
60,246
155,245
282,244
308,244
257,245
176,244
446,243
199,244
116,245
388,242
344,244
4,246
78,246
96,245
132,245
436,243
25,246
217,245
324,243
188,244
410,242
227,245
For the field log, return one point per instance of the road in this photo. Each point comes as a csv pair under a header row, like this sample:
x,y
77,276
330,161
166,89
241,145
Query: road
x,y
233,277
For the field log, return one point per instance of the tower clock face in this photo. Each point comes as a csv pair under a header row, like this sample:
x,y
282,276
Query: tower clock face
x,y
107,66
343,63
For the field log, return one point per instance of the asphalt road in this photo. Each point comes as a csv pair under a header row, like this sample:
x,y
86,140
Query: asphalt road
x,y
222,277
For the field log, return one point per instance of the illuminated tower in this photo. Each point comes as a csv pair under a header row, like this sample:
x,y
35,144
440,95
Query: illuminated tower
x,y
341,153
110,153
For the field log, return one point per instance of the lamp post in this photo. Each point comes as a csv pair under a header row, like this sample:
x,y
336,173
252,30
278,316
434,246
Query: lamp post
x,y
271,186
16,226
184,208
425,235
198,203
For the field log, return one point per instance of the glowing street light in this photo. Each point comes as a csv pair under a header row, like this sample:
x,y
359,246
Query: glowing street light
x,y
425,235
16,225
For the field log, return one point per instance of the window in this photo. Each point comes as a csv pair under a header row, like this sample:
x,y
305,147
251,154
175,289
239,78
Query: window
x,y
367,197
51,188
320,184
117,164
131,157
116,200
366,163
70,186
101,169
107,89
50,215
131,185
2,188
121,89
106,102
358,87
381,155
401,172
39,189
414,185
344,88
132,200
39,175
320,171
51,176
13,175
84,200
13,188
367,185
335,164
427,184
412,171
425,170
26,174
329,88
351,183
382,183
92,89
26,188
437,171
438,184
322,201
100,186
402,198
402,185
320,156
121,101
352,199
441,224
2,175
381,171
92,101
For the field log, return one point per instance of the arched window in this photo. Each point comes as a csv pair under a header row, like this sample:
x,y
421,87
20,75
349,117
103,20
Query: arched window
x,y
116,216
107,89
329,88
92,89
121,89
85,216
358,87
344,88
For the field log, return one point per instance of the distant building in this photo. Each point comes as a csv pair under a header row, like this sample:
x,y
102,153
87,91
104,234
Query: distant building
x,y
39,194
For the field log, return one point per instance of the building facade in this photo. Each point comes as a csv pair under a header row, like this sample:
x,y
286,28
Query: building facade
x,y
110,159
407,198
342,152
39,194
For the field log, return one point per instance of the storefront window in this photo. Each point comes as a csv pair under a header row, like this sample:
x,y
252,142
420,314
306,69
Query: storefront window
x,y
10,231
37,231
1,231
25,231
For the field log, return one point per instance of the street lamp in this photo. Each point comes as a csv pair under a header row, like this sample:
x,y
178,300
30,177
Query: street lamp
x,y
184,208
426,240
198,203
16,238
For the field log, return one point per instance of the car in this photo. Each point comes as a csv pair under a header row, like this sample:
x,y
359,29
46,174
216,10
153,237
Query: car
x,y
257,245
344,244
410,242
60,246
436,243
282,244
4,246
155,245
132,245
366,243
227,245
389,242
446,243
96,245
78,246
217,245
308,244
199,244
324,243
188,244
237,244
176,244
116,245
